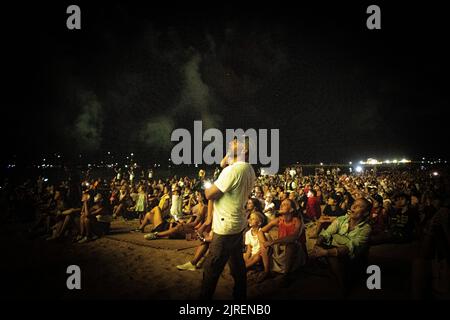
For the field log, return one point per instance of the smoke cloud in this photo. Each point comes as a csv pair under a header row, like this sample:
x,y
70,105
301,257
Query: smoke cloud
x,y
88,125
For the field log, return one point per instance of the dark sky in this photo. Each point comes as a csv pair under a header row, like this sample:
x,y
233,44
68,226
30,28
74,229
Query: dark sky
x,y
336,90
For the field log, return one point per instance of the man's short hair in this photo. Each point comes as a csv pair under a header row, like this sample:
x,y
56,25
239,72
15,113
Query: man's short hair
x,y
367,203
401,195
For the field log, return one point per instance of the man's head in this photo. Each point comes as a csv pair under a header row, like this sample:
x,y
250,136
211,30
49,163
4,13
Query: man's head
x,y
401,200
360,209
332,200
200,196
239,148
293,195
98,198
258,193
57,195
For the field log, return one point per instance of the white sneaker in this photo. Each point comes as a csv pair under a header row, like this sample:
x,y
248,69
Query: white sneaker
x,y
84,240
187,266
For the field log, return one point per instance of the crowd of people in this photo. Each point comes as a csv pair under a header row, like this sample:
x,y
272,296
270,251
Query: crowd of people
x,y
346,213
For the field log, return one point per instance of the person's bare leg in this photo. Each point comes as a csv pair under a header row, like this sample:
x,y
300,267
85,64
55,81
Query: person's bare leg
x,y
264,253
88,228
147,219
82,229
169,232
253,260
200,252
157,217
67,221
119,210
290,254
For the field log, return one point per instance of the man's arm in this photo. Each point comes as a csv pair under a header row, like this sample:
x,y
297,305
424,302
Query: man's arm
x,y
213,193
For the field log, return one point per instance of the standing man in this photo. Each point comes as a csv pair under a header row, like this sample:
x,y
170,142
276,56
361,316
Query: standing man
x,y
229,193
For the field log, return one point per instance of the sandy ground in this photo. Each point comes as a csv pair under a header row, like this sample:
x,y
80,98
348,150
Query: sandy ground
x,y
125,266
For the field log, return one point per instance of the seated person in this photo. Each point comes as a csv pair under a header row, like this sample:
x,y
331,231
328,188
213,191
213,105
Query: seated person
x,y
345,242
51,212
269,207
330,212
199,255
402,225
95,220
290,230
252,256
157,214
180,229
332,209
122,202
312,211
204,234
378,216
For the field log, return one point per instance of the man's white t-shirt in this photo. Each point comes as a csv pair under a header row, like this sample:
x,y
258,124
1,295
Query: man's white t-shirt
x,y
236,183
252,240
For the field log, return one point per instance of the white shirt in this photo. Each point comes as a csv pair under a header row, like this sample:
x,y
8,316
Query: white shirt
x,y
236,183
253,241
176,208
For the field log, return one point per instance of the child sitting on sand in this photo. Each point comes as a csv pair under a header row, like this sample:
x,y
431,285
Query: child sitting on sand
x,y
253,255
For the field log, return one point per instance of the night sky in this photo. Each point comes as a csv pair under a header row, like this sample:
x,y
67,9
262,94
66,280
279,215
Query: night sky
x,y
133,73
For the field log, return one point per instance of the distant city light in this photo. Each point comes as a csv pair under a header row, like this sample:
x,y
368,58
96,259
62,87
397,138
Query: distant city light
x,y
359,169
350,163
321,163
435,174
394,161
372,161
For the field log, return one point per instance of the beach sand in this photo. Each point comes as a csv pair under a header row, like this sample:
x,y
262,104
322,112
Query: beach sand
x,y
124,265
